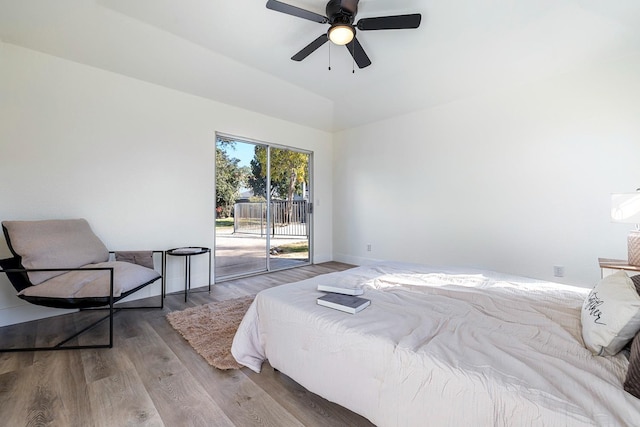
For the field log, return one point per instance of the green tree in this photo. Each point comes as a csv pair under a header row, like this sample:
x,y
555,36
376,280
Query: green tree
x,y
257,179
289,169
229,179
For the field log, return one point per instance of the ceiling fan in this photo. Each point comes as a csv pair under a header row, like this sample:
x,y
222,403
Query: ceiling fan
x,y
342,30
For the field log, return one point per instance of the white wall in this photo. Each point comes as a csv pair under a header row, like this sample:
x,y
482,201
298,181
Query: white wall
x,y
517,181
135,159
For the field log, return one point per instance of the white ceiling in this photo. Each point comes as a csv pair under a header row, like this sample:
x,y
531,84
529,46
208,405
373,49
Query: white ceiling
x,y
237,51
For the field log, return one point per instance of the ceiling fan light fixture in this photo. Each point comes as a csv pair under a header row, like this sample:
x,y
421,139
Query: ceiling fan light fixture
x,y
341,34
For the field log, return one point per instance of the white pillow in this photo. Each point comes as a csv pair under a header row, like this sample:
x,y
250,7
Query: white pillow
x,y
610,315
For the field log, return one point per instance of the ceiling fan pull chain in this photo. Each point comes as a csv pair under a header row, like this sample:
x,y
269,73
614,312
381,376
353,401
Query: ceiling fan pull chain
x,y
329,56
353,58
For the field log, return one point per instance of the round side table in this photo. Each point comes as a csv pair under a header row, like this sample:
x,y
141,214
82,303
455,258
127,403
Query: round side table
x,y
187,252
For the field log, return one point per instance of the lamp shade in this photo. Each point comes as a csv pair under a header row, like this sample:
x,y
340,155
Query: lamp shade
x,y
625,208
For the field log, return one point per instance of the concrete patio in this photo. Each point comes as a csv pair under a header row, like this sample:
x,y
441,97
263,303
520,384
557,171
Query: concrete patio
x,y
239,254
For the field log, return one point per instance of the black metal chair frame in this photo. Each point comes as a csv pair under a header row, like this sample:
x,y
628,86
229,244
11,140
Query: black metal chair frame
x,y
88,304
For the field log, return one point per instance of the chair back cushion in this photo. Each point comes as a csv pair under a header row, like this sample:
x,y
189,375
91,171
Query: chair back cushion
x,y
58,243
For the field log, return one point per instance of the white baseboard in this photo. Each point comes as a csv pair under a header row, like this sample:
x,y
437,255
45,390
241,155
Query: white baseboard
x,y
27,312
350,259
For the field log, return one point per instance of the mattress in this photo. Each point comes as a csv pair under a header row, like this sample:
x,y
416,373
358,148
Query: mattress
x,y
440,347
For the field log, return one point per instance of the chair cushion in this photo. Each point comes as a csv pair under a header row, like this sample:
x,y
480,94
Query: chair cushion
x,y
93,283
68,243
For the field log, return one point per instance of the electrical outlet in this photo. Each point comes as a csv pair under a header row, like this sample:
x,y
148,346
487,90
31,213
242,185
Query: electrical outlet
x,y
558,271
369,247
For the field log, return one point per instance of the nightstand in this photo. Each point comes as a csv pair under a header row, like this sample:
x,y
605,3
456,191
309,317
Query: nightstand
x,y
609,266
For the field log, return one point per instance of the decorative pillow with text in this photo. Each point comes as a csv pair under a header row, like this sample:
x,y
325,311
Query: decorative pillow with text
x,y
610,315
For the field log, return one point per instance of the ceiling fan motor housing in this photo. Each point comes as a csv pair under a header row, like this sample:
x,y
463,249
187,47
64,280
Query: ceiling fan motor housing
x,y
342,11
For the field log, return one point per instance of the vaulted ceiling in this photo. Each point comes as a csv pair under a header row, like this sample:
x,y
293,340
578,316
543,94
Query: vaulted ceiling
x,y
238,52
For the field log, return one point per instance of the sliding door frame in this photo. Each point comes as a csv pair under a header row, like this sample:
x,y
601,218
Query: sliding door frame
x,y
309,213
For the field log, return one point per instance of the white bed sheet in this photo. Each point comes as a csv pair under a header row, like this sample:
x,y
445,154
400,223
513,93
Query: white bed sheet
x,y
441,348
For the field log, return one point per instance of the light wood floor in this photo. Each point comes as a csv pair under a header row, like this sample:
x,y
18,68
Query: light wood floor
x,y
152,376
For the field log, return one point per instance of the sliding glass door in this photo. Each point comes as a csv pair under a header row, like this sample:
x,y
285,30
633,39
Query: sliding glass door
x,y
262,207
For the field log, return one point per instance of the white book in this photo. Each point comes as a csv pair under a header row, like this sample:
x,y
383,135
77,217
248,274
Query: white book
x,y
347,303
340,290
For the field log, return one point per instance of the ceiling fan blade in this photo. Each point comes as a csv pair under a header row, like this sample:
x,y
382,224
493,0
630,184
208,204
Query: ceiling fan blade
x,y
358,53
398,22
310,48
278,6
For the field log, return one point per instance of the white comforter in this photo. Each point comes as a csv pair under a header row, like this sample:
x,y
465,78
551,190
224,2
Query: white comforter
x,y
441,348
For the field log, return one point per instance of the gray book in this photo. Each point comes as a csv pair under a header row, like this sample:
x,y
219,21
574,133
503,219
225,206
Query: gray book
x,y
347,303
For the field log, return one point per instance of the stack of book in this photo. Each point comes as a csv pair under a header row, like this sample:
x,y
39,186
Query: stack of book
x,y
343,299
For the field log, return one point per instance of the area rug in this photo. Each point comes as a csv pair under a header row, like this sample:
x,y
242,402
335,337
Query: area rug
x,y
210,328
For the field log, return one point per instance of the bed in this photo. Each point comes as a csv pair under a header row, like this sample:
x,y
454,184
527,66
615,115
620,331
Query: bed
x,y
441,347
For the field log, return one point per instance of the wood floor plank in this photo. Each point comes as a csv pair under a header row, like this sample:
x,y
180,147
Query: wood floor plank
x,y
55,329
122,400
308,407
243,402
100,363
17,336
177,395
52,391
12,387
